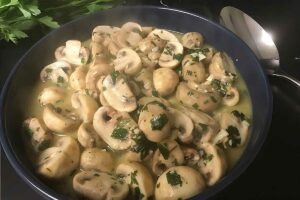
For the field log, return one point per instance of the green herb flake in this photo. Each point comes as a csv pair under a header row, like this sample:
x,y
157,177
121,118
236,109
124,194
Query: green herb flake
x,y
178,57
207,157
234,138
190,93
60,80
133,180
28,132
96,174
163,150
48,70
154,93
82,61
220,87
114,75
213,99
196,106
173,178
239,115
203,126
103,88
142,145
119,133
168,50
138,193
159,121
189,72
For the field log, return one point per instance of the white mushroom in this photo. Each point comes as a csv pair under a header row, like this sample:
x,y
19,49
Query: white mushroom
x,y
183,125
95,73
167,155
145,78
77,78
97,159
191,156
231,97
138,177
99,186
165,81
51,95
58,120
192,40
129,35
154,121
180,182
171,55
88,137
212,164
73,52
127,60
102,34
59,160
164,35
57,72
193,70
118,94
107,121
86,106
37,133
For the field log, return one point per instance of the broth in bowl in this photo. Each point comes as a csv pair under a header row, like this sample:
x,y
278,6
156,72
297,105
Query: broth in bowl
x,y
137,112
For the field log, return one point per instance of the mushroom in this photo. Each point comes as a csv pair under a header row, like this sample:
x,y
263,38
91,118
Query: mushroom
x,y
97,159
180,182
94,74
145,78
164,35
206,102
99,186
213,163
192,40
73,52
102,34
154,100
231,97
147,29
193,70
88,137
154,121
118,94
38,134
96,49
165,81
127,60
59,160
191,156
167,155
77,78
171,55
183,125
129,35
139,178
113,46
208,55
57,72
51,95
106,124
58,120
85,105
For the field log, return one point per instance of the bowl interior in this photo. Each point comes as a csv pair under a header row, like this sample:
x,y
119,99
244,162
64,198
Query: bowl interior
x,y
25,74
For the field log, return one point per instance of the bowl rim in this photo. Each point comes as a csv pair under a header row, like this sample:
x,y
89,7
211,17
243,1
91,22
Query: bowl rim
x,y
47,192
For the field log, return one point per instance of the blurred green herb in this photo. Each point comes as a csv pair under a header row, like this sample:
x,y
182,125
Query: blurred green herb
x,y
18,16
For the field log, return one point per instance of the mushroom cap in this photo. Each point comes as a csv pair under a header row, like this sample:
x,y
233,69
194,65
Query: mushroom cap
x,y
102,34
127,60
77,78
51,95
164,35
193,70
129,35
171,55
165,81
99,186
57,72
95,73
192,40
188,182
87,136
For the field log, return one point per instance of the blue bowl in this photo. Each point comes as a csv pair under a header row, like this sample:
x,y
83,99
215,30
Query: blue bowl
x,y
25,74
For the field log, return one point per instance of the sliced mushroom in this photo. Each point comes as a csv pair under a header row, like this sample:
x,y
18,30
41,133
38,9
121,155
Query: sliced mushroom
x,y
180,182
77,78
86,106
191,156
73,52
192,40
88,137
154,121
231,97
183,125
167,155
105,123
99,186
95,73
206,102
138,177
127,60
165,81
58,120
171,55
57,72
154,100
118,94
129,35
164,35
97,159
113,46
38,134
102,34
51,95
193,70
145,78
59,160
212,164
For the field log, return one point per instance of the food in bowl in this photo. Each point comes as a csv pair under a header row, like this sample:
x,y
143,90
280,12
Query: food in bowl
x,y
137,112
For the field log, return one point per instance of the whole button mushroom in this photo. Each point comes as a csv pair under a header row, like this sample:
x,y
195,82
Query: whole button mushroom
x,y
193,70
58,72
192,40
77,78
180,182
127,60
51,95
171,55
88,137
165,81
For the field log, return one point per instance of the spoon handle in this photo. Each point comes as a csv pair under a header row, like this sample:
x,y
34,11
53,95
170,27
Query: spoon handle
x,y
282,74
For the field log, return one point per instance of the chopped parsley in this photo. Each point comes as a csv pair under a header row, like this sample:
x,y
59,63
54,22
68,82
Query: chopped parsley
x,y
159,121
189,72
154,93
48,70
239,115
60,80
234,138
28,132
142,145
82,60
190,93
196,106
136,30
213,99
178,56
207,157
203,126
103,88
114,75
173,178
138,193
168,50
164,151
133,178
119,133
220,87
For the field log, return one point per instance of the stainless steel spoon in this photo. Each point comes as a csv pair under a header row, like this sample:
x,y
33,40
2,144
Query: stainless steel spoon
x,y
257,39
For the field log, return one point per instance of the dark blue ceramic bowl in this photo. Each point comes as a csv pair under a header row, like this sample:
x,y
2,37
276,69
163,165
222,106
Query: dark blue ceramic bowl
x,y
25,74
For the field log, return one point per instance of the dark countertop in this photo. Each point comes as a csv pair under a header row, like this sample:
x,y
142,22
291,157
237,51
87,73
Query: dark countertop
x,y
275,172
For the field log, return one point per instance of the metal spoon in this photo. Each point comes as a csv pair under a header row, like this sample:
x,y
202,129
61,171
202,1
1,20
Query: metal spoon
x,y
257,39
